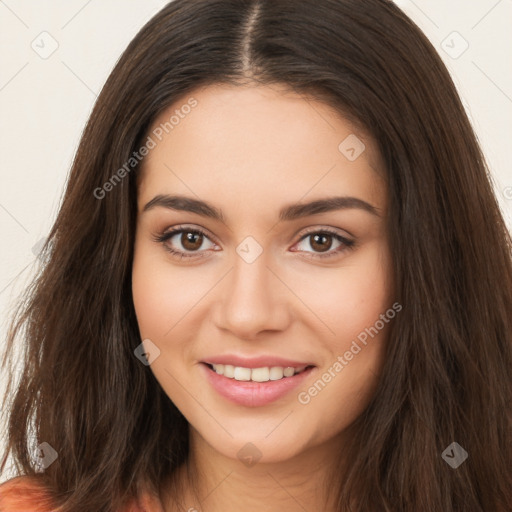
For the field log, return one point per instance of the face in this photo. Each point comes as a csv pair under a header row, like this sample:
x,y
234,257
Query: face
x,y
256,285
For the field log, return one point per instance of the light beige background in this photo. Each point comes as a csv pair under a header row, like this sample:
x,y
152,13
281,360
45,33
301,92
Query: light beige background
x,y
46,100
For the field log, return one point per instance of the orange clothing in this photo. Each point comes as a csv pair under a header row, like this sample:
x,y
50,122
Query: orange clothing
x,y
26,494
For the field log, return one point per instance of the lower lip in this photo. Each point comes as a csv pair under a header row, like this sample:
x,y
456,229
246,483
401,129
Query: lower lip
x,y
253,394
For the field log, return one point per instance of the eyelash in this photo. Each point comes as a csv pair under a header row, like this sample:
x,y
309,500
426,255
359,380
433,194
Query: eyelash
x,y
164,237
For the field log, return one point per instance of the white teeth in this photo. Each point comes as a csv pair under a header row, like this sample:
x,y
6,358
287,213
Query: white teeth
x,y
289,371
229,371
276,373
260,374
263,374
242,373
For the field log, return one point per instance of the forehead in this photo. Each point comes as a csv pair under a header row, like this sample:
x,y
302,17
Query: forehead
x,y
259,141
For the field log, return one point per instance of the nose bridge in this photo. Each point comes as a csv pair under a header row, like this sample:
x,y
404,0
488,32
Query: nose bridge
x,y
250,279
251,302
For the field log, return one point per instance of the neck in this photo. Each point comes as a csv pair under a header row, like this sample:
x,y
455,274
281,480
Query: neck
x,y
212,482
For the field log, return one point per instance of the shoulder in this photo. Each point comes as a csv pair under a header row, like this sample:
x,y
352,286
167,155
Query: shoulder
x,y
24,493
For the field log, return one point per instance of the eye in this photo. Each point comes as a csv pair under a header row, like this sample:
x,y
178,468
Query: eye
x,y
190,240
322,241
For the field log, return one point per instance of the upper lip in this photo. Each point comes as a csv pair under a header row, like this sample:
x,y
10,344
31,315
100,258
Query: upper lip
x,y
255,362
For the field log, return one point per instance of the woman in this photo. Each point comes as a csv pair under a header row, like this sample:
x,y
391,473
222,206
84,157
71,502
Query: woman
x,y
279,279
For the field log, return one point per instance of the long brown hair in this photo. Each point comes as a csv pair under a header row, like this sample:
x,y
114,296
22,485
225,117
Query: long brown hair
x,y
447,375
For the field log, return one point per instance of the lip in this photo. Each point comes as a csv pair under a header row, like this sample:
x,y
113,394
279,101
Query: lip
x,y
256,362
254,394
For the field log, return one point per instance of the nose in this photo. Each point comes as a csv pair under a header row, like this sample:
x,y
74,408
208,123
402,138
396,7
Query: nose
x,y
253,300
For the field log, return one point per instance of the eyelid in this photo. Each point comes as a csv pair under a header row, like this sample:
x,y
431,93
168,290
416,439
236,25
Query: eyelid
x,y
334,232
346,243
301,234
169,233
185,227
325,229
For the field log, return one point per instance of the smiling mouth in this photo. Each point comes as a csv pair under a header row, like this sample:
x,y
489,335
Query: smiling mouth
x,y
263,374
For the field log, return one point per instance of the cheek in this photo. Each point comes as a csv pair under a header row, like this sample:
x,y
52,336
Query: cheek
x,y
161,296
351,298
351,302
161,299
152,304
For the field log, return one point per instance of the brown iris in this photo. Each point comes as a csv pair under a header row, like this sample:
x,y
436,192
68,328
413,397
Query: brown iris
x,y
191,241
318,246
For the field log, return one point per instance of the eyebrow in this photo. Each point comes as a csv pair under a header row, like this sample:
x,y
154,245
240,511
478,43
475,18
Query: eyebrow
x,y
287,213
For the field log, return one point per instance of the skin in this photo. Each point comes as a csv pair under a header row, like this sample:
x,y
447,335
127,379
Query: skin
x,y
250,150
